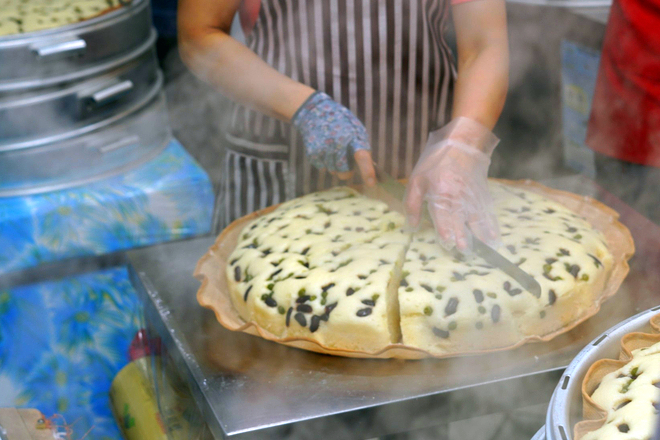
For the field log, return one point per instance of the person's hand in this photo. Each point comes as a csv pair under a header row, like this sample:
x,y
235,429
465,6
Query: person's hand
x,y
451,176
331,133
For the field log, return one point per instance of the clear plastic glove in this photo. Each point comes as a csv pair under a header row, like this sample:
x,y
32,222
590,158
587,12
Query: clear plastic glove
x,y
451,176
330,131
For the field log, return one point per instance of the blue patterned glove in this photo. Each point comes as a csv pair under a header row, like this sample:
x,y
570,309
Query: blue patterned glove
x,y
329,131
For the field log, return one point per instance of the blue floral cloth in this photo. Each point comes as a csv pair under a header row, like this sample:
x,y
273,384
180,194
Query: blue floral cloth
x,y
168,198
330,132
61,344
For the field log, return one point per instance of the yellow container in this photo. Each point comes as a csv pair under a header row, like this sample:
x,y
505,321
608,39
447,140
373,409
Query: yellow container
x,y
134,405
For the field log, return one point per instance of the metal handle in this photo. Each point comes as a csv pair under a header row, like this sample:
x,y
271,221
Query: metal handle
x,y
121,143
60,49
101,93
112,92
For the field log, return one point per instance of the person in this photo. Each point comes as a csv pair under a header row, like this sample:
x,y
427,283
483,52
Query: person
x,y
624,124
324,84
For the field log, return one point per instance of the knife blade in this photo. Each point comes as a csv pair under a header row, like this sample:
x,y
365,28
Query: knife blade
x,y
397,190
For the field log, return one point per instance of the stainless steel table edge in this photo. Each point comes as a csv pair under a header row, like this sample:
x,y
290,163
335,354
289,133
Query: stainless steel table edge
x,y
189,366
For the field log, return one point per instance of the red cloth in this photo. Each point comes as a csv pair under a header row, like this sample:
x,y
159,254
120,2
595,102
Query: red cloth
x,y
248,14
625,115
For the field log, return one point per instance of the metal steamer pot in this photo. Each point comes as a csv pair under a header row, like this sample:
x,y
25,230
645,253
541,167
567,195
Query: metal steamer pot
x,y
68,53
47,114
565,408
111,146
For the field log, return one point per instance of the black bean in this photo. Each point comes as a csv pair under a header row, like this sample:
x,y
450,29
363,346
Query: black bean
x,y
350,291
623,428
444,334
324,317
327,286
232,262
478,295
457,276
237,273
266,252
656,405
451,307
384,262
300,318
270,302
302,299
479,325
514,292
574,270
564,252
275,273
359,229
656,384
552,297
597,262
507,286
288,316
304,251
622,404
305,308
368,302
511,249
246,293
549,211
546,275
314,325
427,288
362,277
364,312
404,283
495,313
330,307
550,260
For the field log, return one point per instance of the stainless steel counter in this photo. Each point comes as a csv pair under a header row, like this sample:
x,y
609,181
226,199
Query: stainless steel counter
x,y
251,388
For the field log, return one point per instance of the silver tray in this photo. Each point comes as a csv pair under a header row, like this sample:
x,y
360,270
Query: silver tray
x,y
115,146
565,408
67,53
57,110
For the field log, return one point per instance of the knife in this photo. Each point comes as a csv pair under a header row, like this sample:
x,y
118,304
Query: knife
x,y
397,190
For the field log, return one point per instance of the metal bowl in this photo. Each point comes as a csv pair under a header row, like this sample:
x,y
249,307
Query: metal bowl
x,y
565,408
71,52
57,110
100,150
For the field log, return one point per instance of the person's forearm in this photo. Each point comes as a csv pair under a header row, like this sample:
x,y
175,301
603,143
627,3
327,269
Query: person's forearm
x,y
238,73
481,86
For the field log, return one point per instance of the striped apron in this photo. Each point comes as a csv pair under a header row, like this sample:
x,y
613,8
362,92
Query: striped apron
x,y
386,60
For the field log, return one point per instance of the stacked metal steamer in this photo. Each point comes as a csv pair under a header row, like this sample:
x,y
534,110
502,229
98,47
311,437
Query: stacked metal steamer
x,y
80,102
